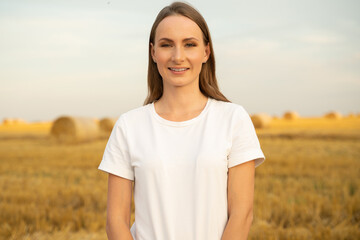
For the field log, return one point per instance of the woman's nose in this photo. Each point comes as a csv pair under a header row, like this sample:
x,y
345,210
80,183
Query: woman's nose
x,y
178,54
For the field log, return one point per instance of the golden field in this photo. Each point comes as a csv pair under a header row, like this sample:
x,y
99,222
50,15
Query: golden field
x,y
308,187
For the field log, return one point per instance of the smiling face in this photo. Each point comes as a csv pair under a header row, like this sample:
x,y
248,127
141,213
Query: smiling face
x,y
179,51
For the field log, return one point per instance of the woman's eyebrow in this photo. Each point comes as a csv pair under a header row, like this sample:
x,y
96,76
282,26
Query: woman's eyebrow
x,y
191,38
165,39
186,39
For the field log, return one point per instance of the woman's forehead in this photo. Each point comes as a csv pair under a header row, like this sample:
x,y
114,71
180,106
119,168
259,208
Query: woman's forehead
x,y
178,27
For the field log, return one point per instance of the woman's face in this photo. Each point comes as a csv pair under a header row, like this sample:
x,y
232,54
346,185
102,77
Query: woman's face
x,y
179,51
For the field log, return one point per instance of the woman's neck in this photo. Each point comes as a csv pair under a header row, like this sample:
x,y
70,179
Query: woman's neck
x,y
178,104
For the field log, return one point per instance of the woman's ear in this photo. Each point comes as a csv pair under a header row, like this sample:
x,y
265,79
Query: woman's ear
x,y
152,50
207,53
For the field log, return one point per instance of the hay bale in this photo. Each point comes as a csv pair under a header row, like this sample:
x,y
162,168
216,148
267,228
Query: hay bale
x,y
106,124
74,129
333,115
291,115
8,121
13,121
351,115
19,121
261,120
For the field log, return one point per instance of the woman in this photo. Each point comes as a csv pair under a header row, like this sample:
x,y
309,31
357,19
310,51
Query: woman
x,y
189,150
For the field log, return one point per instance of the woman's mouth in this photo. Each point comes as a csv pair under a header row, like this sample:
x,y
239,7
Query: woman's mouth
x,y
178,70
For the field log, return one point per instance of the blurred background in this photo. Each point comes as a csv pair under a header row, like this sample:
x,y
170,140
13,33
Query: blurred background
x,y
90,57
68,69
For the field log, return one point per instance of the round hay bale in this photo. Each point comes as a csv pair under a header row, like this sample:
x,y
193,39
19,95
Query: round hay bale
x,y
351,115
261,120
8,121
291,115
106,124
19,121
74,129
333,115
13,121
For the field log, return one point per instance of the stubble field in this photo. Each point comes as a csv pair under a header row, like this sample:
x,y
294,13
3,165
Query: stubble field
x,y
308,187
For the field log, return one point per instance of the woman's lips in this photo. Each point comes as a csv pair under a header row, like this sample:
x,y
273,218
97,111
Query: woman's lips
x,y
178,70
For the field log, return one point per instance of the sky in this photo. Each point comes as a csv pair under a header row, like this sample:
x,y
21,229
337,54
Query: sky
x,y
89,57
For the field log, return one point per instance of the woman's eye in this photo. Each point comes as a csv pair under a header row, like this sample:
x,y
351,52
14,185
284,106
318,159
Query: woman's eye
x,y
165,45
190,45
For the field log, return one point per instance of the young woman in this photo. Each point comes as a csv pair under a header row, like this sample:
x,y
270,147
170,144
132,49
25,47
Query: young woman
x,y
190,152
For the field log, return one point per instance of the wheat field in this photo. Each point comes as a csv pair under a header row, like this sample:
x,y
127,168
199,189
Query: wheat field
x,y
308,187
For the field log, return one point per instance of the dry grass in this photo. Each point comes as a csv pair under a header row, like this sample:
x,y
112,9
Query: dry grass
x,y
314,128
308,188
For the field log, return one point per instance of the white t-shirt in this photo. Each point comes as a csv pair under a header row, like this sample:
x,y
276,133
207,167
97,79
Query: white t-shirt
x,y
180,168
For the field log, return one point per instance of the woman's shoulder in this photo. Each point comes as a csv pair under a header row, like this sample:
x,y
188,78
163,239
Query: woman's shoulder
x,y
228,108
135,114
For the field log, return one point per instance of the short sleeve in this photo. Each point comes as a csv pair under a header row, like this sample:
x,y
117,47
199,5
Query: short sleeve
x,y
116,158
245,143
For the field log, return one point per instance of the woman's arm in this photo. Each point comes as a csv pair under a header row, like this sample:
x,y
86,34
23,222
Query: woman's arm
x,y
118,208
241,180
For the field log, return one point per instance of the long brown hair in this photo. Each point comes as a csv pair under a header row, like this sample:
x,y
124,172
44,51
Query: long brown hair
x,y
207,78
